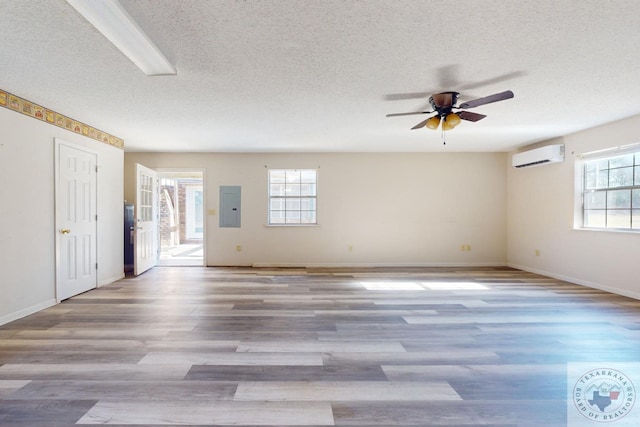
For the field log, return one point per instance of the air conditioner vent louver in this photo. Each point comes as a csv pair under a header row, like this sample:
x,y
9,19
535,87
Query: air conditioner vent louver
x,y
539,156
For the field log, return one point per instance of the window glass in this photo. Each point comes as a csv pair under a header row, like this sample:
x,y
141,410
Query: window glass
x,y
621,177
611,192
619,218
621,161
277,177
276,204
602,178
307,189
618,199
308,217
590,180
292,196
308,176
277,189
595,200
277,217
635,198
595,219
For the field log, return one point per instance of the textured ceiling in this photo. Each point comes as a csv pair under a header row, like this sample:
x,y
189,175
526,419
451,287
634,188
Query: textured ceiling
x,y
320,76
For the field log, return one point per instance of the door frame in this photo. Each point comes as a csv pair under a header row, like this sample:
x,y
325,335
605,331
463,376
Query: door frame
x,y
205,211
57,142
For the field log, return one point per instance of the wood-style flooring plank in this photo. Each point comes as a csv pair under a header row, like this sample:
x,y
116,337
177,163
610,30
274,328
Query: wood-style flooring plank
x,y
209,413
243,346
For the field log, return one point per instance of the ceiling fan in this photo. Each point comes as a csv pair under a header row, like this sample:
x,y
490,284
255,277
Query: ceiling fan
x,y
443,105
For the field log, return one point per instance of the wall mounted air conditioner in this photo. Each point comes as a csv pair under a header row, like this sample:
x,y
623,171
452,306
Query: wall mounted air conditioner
x,y
539,156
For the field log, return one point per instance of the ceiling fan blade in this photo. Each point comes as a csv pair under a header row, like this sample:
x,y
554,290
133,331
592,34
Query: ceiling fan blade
x,y
469,116
408,114
488,99
421,124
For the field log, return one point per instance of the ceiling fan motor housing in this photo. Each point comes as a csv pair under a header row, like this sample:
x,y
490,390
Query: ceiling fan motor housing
x,y
443,102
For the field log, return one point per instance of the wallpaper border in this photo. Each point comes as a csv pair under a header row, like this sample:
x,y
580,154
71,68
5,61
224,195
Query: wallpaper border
x,y
28,108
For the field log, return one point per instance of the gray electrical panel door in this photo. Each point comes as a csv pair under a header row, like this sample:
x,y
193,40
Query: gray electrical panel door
x,y
229,206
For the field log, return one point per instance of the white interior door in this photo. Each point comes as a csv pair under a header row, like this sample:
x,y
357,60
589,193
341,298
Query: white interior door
x,y
146,218
76,207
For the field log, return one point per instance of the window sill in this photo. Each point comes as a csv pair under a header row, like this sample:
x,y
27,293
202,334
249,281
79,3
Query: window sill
x,y
291,225
608,230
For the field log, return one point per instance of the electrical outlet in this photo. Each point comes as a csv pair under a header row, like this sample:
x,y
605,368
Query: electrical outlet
x,y
211,211
238,248
537,252
350,248
463,248
468,248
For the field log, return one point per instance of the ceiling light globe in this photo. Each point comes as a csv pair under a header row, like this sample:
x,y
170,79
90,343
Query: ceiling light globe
x,y
446,125
433,122
453,119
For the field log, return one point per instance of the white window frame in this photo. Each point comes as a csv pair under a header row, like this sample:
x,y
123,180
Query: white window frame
x,y
599,197
292,202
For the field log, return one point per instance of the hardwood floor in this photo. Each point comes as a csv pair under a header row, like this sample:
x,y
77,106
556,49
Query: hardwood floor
x,y
313,347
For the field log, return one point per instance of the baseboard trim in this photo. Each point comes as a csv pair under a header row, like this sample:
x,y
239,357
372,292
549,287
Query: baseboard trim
x,y
27,311
373,265
111,279
594,285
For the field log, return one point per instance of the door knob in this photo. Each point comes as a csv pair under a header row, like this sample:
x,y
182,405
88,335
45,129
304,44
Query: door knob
x,y
65,231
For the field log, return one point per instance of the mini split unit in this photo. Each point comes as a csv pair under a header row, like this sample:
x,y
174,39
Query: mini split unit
x,y
539,156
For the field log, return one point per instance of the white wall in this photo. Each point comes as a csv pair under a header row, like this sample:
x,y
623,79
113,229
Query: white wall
x,y
393,209
541,216
27,263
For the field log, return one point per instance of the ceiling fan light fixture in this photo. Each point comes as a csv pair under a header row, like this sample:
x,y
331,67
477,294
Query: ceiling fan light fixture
x,y
446,125
433,123
453,119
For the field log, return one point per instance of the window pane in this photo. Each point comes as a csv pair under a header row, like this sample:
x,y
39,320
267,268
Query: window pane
x,y
590,180
308,217
602,164
308,190
276,217
621,177
276,189
619,218
276,204
293,176
293,190
308,204
276,176
637,173
292,204
293,217
620,161
635,219
617,199
602,178
597,219
308,176
635,202
595,200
